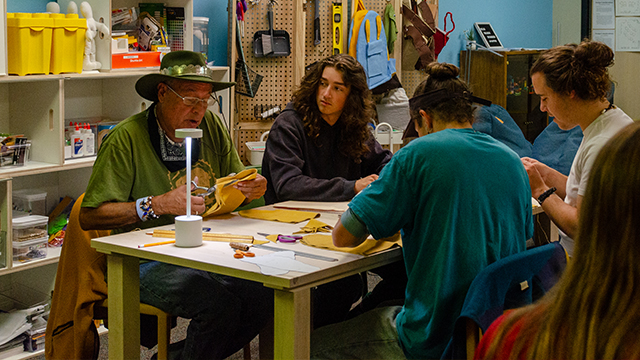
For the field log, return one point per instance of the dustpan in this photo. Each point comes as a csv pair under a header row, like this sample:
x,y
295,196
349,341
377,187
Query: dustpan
x,y
247,80
279,39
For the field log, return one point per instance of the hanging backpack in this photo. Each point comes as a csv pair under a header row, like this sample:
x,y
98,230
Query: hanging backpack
x,y
368,44
419,28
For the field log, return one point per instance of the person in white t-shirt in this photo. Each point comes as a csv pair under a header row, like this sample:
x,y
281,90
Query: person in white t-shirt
x,y
573,81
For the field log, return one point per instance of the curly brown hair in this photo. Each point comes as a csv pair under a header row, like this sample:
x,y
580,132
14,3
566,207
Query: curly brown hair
x,y
358,110
444,76
580,68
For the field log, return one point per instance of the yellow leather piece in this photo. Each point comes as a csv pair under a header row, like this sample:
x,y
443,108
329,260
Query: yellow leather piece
x,y
368,247
228,198
314,226
288,216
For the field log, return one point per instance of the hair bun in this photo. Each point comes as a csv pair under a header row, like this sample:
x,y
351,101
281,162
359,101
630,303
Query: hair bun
x,y
442,71
594,54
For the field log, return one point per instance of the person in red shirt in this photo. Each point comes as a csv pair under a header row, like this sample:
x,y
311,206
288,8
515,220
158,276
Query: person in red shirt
x,y
593,311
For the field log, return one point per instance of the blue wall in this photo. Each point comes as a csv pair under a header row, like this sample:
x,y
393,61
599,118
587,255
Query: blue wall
x,y
31,6
518,23
216,11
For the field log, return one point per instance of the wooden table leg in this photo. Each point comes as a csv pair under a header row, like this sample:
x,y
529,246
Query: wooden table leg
x,y
292,328
124,306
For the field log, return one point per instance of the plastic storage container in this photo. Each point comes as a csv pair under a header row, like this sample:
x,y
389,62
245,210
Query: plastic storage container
x,y
32,201
29,43
30,238
256,150
15,155
30,250
201,35
28,228
67,47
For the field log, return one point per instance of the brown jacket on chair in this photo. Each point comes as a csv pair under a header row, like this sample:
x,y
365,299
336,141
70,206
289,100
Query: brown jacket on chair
x,y
80,283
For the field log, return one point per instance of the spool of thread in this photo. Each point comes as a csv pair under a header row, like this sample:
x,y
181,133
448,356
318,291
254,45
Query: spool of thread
x,y
239,246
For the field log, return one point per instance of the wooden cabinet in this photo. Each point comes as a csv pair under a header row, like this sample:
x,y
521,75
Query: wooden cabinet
x,y
505,80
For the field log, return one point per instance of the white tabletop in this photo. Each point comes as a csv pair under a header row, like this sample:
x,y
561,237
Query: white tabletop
x,y
292,289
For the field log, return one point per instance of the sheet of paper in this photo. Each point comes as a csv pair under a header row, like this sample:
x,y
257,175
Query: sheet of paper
x,y
627,34
627,8
13,324
603,16
606,36
279,263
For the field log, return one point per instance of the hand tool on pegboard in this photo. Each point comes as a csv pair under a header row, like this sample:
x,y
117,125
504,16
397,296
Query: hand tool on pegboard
x,y
316,24
264,112
279,40
247,80
336,27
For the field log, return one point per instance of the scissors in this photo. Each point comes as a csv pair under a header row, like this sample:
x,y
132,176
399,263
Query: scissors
x,y
207,191
211,190
289,238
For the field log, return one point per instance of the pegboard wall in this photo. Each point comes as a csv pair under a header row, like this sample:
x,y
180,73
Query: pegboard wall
x,y
277,83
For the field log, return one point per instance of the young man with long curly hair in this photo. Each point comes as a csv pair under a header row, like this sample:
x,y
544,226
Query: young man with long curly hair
x,y
320,148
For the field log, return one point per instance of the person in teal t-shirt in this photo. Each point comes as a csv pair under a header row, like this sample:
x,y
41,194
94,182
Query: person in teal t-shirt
x,y
138,181
462,201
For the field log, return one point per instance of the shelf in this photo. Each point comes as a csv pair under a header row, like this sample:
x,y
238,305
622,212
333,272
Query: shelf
x,y
53,255
26,355
116,73
35,167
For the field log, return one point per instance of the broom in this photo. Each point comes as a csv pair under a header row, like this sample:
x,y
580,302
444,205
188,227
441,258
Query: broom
x,y
267,40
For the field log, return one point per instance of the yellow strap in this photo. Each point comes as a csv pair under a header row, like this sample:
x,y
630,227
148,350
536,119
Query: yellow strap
x,y
358,14
379,23
367,29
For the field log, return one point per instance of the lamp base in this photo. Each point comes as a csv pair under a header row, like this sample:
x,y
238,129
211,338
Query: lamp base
x,y
188,231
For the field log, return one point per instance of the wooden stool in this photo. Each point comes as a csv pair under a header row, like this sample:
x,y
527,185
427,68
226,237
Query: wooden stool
x,y
164,324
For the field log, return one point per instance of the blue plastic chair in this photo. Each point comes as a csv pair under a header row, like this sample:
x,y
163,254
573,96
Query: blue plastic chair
x,y
508,283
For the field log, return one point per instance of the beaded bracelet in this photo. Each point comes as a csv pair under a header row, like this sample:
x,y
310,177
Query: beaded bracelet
x,y
147,209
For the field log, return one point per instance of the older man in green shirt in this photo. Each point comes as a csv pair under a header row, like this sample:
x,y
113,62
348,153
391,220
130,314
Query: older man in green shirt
x,y
138,181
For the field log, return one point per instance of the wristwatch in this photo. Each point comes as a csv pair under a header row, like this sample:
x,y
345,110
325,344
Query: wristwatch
x,y
545,195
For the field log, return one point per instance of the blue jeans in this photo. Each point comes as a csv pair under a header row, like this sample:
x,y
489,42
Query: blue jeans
x,y
372,335
226,313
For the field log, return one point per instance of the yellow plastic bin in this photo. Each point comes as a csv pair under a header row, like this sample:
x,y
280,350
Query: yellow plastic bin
x,y
67,48
29,43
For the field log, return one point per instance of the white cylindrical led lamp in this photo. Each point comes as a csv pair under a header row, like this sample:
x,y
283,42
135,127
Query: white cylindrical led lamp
x,y
188,227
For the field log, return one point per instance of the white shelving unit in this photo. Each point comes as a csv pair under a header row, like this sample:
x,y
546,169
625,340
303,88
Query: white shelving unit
x,y
39,106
